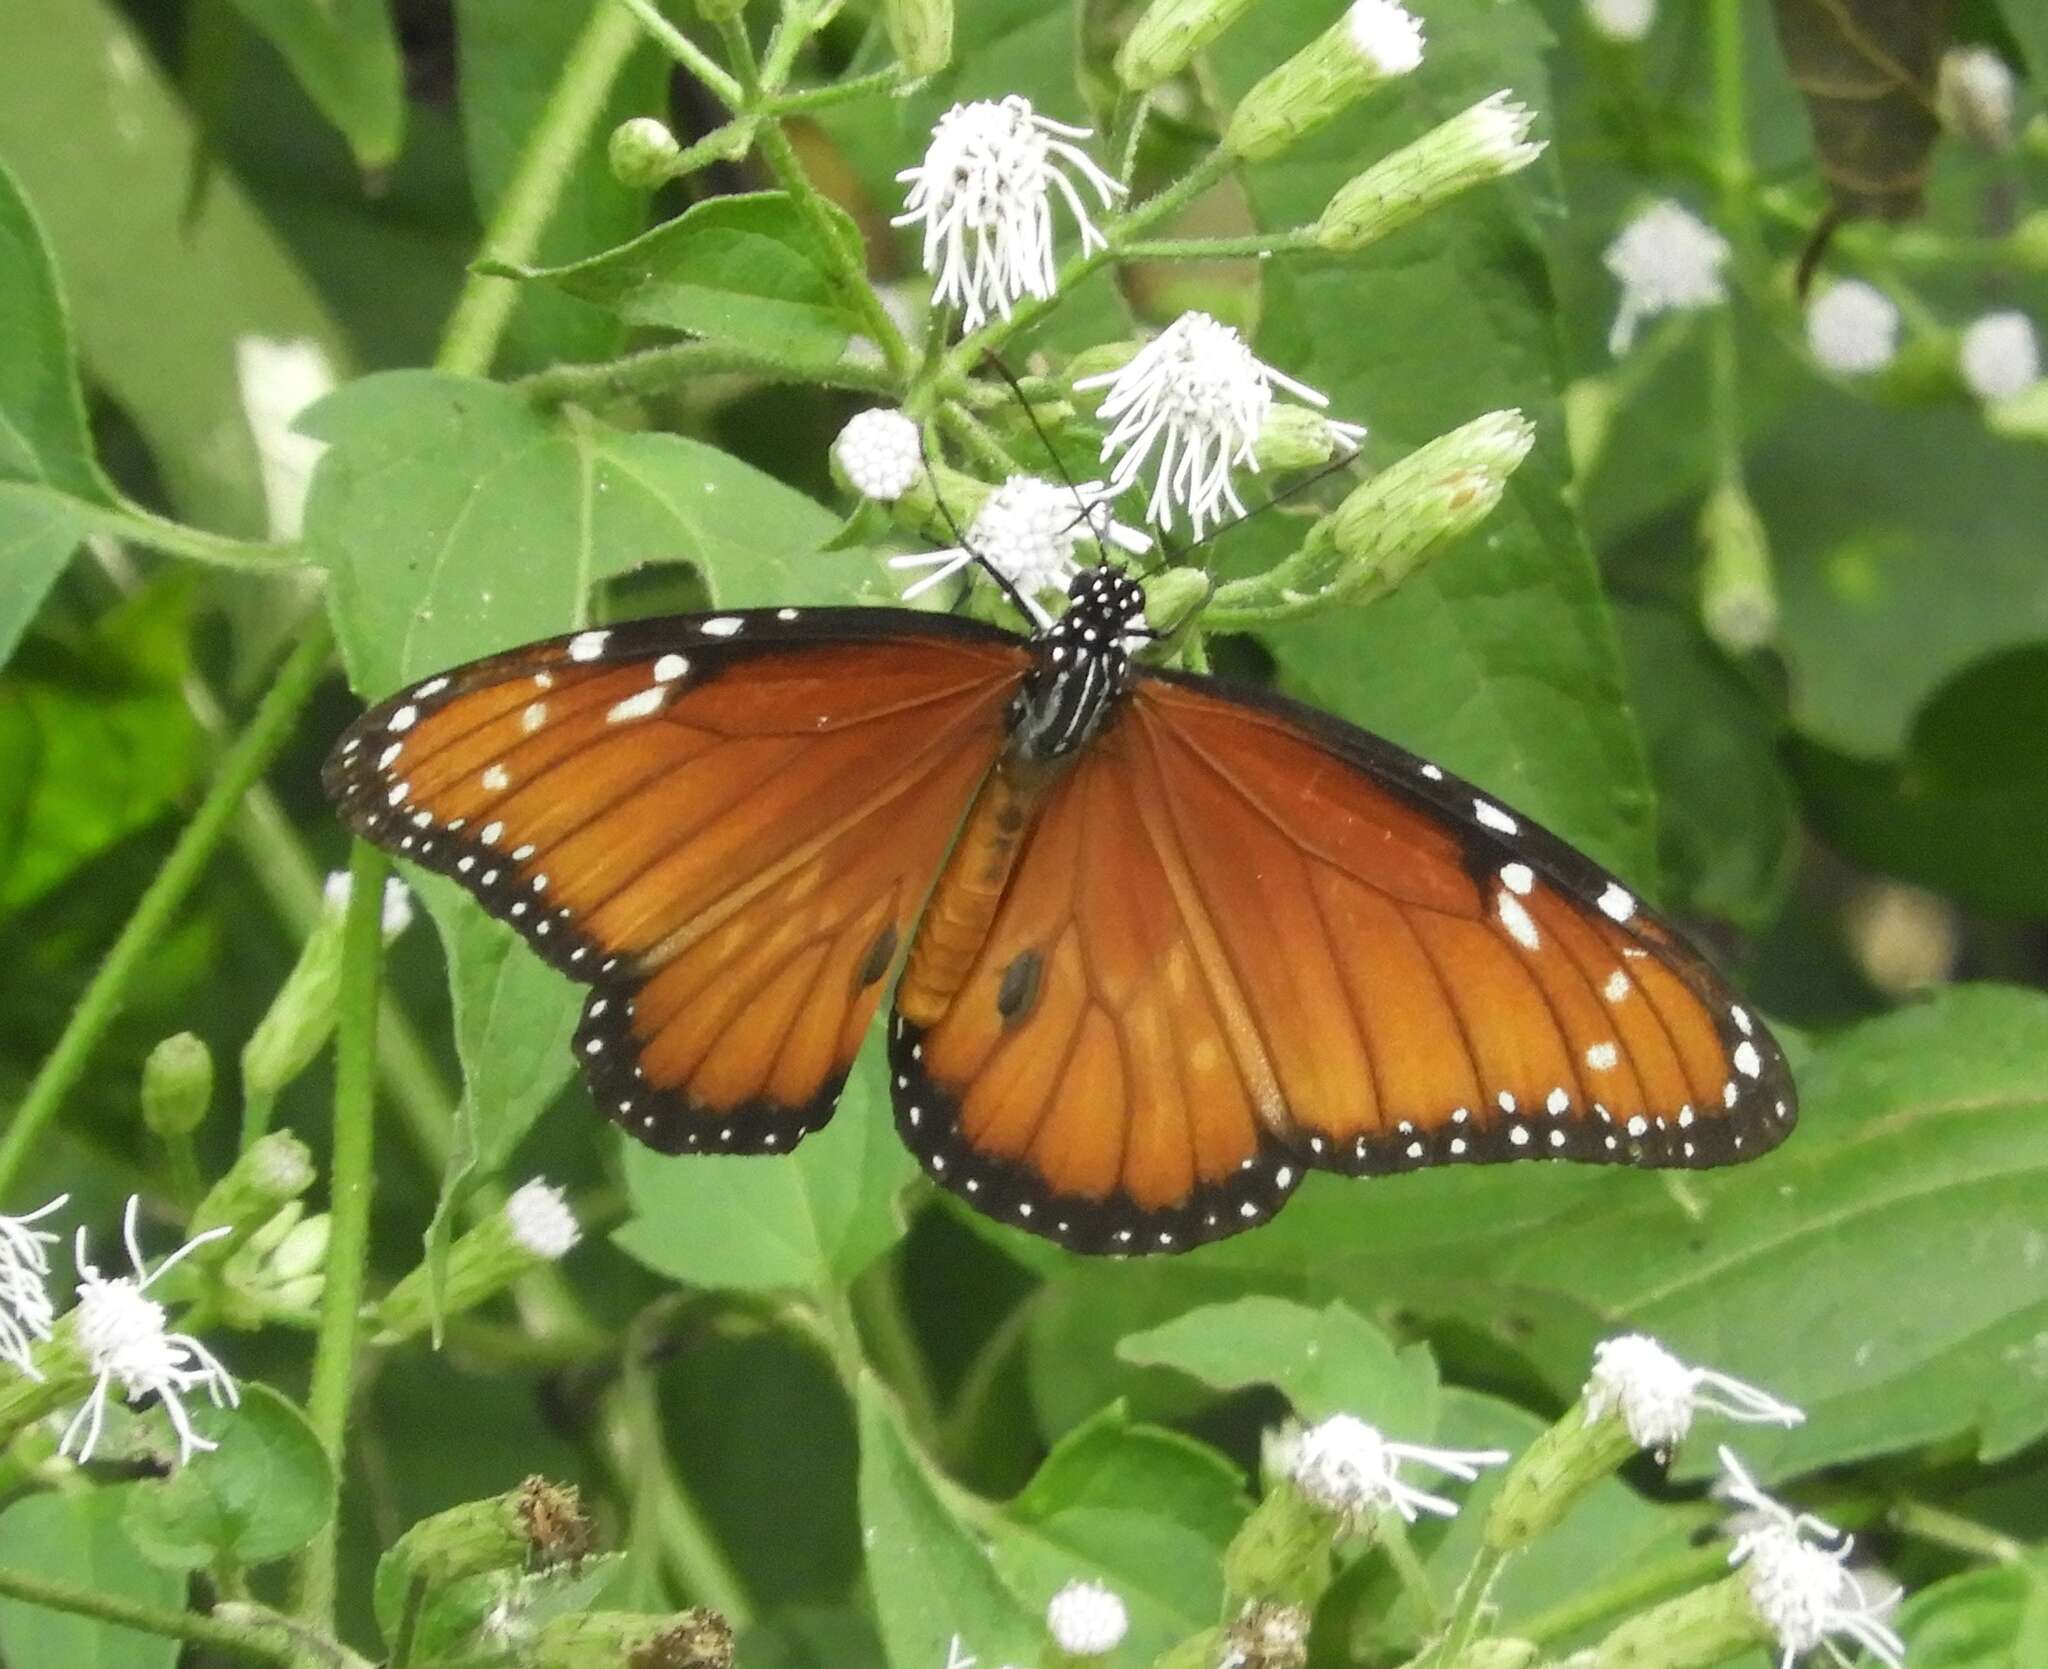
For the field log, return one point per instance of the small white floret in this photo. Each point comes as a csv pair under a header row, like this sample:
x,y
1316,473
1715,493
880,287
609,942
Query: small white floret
x,y
1657,1395
1852,328
1086,1619
541,1220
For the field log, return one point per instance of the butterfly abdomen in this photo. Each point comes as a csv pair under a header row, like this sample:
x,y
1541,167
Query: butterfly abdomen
x,y
977,873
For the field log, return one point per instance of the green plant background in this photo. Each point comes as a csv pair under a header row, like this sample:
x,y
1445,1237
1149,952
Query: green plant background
x,y
808,1390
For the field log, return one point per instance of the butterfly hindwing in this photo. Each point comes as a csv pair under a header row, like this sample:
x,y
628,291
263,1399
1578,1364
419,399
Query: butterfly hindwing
x,y
726,824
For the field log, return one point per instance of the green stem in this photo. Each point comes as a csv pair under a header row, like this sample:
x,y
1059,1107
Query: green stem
x,y
1727,44
328,1394
557,140
838,92
1951,1530
892,1345
240,766
1409,1570
1639,1588
658,370
1465,1608
976,437
160,533
686,52
984,1373
847,267
1301,240
200,1630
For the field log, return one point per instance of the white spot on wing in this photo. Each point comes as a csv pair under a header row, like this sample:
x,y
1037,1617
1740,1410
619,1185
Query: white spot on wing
x,y
1617,986
533,717
1616,902
1603,1057
1740,1016
389,756
1494,818
669,668
637,706
724,625
1558,1102
496,779
1432,773
1516,920
584,646
1747,1061
1517,878
432,687
403,720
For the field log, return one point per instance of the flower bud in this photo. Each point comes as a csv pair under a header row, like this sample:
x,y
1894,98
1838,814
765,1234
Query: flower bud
x,y
1738,596
1165,39
1174,596
1707,1626
918,507
536,1525
1552,1473
1487,142
921,33
643,153
1281,1553
177,1085
1266,1635
271,1171
1298,437
1103,359
697,1639
534,1228
1373,42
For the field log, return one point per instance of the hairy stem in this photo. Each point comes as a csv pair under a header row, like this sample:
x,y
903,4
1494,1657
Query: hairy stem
x,y
657,370
578,99
235,1639
240,766
334,1348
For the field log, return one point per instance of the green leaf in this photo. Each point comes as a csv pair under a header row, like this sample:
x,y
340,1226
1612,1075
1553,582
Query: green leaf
x,y
345,54
1905,550
95,740
43,436
811,1220
1962,809
1831,1272
265,1491
1142,1509
929,1574
742,269
456,520
509,57
1727,815
161,289
76,1537
1983,1619
1499,660
1327,1361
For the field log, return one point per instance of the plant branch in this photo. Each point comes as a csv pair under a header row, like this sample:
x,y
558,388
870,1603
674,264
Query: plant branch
x,y
835,92
1641,1587
329,1393
240,766
236,1639
685,51
573,108
1301,240
1928,1523
656,370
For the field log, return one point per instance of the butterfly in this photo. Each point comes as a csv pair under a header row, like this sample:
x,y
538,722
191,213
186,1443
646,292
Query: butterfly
x,y
1162,944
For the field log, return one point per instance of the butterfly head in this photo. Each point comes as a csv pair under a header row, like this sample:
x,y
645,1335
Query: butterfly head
x,y
1081,664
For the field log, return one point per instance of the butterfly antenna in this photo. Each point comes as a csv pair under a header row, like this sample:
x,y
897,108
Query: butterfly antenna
x,y
1026,606
1292,490
1082,512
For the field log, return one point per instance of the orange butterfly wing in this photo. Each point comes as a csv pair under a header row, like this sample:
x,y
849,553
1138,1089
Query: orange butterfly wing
x,y
1242,939
725,823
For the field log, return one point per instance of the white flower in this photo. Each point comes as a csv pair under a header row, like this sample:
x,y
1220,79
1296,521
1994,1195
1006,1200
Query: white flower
x,y
25,1308
1026,530
1668,261
280,379
1976,93
541,1220
1086,1619
1199,397
122,1333
1349,1467
1658,1395
2001,356
396,915
880,452
1804,1591
1388,36
983,195
1621,20
1852,328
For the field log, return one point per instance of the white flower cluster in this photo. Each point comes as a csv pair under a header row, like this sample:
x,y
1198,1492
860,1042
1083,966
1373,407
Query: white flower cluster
x,y
1352,1469
1026,531
120,1330
1667,260
1657,1395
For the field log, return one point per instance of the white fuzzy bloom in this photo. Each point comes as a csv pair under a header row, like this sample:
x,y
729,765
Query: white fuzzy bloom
x,y
1657,1395
1621,20
280,379
1388,36
1086,1619
395,917
1027,530
25,1308
1852,328
1198,397
122,1333
1348,1466
2001,356
983,194
1977,93
880,452
1803,1590
541,1220
1668,261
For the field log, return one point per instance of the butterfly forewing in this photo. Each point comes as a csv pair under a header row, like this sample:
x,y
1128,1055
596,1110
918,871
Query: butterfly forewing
x,y
725,823
1242,939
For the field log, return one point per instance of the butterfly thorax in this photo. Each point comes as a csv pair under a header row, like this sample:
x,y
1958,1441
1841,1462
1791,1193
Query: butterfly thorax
x,y
1079,667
